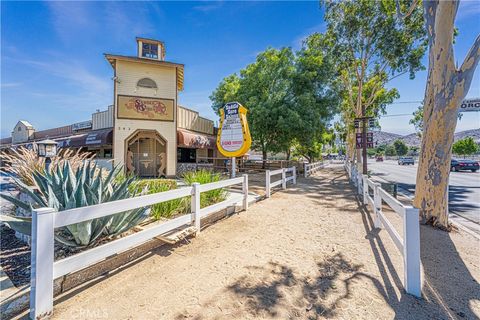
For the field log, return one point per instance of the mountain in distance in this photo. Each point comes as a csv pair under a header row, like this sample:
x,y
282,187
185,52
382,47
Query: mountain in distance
x,y
413,140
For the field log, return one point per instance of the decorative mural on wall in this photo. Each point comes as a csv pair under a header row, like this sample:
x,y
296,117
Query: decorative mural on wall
x,y
130,107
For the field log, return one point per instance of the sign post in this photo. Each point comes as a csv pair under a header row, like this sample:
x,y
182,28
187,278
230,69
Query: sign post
x,y
233,139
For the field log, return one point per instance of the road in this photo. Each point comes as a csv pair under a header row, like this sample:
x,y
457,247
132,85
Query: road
x,y
464,189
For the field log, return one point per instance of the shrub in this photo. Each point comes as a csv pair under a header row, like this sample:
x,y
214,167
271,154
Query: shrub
x,y
164,209
204,176
23,162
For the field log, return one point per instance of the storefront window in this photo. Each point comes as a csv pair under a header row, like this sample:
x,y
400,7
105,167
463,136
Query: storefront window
x,y
107,153
186,155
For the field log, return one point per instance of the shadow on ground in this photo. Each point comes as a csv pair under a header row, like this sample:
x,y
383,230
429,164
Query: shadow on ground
x,y
449,288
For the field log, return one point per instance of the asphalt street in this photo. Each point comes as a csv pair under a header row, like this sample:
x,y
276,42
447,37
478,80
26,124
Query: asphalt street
x,y
464,189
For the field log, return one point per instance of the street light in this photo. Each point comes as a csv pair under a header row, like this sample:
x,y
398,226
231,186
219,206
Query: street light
x,y
47,149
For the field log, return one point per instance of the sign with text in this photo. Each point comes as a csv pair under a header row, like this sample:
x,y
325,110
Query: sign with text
x,y
140,108
470,105
233,139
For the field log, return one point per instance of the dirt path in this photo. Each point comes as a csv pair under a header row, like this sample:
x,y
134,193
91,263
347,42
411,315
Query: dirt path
x,y
308,252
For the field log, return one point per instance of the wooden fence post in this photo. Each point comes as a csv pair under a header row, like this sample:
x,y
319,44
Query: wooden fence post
x,y
267,183
294,175
411,252
284,179
305,170
196,206
245,192
359,182
377,201
365,189
42,257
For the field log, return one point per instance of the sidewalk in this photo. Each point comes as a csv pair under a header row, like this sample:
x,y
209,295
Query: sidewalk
x,y
308,252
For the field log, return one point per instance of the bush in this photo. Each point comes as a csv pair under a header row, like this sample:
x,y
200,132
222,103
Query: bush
x,y
204,176
25,162
164,209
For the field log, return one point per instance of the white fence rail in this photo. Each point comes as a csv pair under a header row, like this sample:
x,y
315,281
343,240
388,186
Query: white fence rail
x,y
310,168
409,243
283,181
44,220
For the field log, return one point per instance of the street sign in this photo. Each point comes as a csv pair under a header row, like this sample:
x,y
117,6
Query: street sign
x,y
371,123
359,141
357,123
233,139
470,105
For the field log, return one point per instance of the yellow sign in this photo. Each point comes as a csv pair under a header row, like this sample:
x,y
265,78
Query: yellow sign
x,y
233,139
129,107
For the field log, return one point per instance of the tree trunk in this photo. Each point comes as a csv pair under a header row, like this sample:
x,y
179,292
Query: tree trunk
x,y
264,156
446,88
288,154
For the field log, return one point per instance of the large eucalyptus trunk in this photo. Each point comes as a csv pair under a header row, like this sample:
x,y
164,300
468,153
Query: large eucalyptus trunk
x,y
447,86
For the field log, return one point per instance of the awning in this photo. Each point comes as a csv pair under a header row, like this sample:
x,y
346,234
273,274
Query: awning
x,y
90,139
190,139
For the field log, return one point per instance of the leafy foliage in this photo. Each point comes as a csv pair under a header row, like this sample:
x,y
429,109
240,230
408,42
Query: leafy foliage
x,y
64,188
165,209
370,49
288,96
466,146
401,148
205,176
23,162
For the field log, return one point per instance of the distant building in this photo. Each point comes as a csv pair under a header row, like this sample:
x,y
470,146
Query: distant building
x,y
145,129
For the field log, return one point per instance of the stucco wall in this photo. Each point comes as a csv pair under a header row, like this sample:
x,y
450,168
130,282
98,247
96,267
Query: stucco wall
x,y
128,73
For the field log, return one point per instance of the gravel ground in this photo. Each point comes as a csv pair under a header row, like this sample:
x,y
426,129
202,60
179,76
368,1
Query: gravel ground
x,y
14,257
309,252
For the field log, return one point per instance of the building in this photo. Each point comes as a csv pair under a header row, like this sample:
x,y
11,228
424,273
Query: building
x,y
145,130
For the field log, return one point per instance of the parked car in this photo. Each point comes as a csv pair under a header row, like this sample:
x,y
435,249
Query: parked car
x,y
464,164
405,161
379,159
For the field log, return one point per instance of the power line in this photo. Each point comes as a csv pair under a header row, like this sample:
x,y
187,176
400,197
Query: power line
x,y
400,102
396,115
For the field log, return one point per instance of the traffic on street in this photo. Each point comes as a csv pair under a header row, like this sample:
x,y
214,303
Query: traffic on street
x,y
464,189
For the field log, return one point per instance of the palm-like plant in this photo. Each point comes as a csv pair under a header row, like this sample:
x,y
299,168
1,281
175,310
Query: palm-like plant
x,y
64,188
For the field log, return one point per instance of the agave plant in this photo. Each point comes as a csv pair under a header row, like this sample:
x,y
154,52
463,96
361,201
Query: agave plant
x,y
64,188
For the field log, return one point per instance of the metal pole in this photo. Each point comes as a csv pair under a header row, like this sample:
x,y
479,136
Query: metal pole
x,y
233,167
364,140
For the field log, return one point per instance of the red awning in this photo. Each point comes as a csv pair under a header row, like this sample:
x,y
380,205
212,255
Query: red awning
x,y
190,139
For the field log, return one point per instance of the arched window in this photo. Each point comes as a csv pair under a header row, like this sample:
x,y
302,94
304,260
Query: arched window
x,y
147,83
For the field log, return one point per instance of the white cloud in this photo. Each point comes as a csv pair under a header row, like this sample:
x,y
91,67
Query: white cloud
x,y
298,41
209,6
69,17
11,84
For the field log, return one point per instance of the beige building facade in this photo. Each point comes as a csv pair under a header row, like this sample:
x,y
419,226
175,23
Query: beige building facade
x,y
144,130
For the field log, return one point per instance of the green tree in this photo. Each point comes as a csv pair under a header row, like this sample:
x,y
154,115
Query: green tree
x,y
466,146
370,49
390,150
314,96
401,148
264,88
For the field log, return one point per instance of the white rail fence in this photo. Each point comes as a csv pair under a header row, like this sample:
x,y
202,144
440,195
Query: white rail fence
x,y
409,243
44,220
283,181
310,168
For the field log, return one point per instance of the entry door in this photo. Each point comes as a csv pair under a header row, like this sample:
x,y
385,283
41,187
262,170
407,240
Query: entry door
x,y
148,155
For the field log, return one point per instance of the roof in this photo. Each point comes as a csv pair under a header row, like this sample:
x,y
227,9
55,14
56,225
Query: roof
x,y
148,40
26,123
112,58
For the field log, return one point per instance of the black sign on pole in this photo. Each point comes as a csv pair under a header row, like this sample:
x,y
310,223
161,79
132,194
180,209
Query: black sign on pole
x,y
357,123
371,123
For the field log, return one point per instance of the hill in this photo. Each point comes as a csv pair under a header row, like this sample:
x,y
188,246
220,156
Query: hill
x,y
412,139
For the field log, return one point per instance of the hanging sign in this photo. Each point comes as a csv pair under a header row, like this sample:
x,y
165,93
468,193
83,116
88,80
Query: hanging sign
x,y
233,139
470,105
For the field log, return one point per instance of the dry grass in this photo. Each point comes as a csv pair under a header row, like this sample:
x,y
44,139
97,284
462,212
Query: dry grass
x,y
24,162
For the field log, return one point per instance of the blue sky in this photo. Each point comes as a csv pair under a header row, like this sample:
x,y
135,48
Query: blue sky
x,y
54,73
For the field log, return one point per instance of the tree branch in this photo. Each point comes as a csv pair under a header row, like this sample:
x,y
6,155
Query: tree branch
x,y
401,16
470,63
